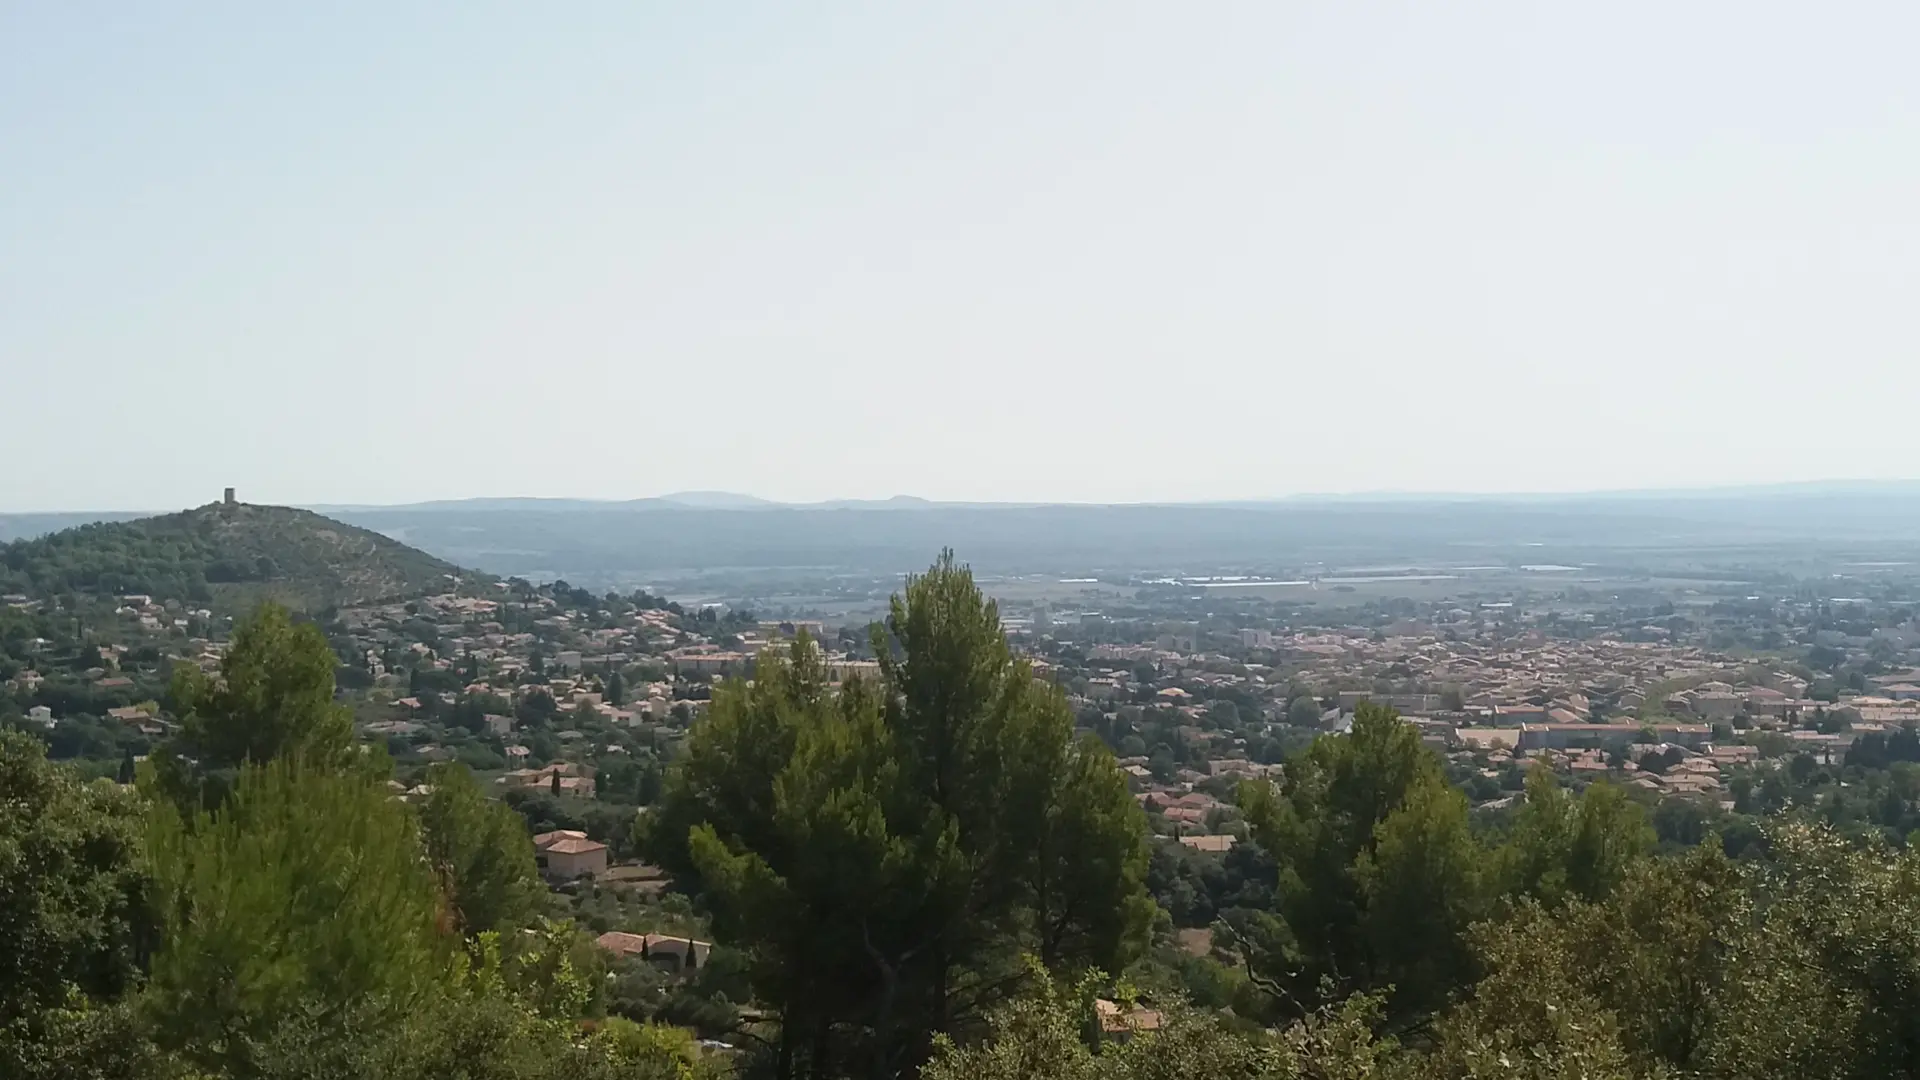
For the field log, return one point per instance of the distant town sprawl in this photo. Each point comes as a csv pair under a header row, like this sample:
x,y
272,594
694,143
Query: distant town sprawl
x,y
550,688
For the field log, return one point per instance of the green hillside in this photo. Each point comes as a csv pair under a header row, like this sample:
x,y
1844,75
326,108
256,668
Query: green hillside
x,y
226,556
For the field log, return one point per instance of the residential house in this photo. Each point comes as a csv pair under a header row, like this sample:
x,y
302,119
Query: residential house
x,y
1792,686
840,669
704,660
1734,755
1716,705
1562,736
1518,715
621,943
1765,702
675,955
1681,783
566,854
573,779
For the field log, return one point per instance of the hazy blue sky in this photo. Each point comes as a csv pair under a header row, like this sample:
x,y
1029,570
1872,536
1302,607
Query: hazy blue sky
x,y
1099,251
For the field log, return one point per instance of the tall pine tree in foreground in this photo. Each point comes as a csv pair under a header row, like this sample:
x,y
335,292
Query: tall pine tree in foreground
x,y
304,890
480,851
1380,875
890,854
272,698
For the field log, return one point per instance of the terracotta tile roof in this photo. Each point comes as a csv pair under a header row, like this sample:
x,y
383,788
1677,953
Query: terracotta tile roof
x,y
621,942
547,839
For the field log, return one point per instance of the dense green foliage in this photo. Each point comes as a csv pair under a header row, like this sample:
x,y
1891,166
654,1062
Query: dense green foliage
x,y
273,700
1047,1034
74,885
480,851
304,887
219,552
1379,875
889,854
927,873
1799,964
1566,848
297,920
1382,876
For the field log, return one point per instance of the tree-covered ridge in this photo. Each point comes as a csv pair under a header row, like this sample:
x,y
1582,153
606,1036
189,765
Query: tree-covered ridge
x,y
220,553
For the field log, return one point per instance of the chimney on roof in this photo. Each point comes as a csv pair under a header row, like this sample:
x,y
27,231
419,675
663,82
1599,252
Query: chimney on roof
x,y
229,497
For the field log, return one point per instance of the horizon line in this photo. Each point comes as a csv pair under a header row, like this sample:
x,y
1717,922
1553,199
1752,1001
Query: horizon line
x,y
752,502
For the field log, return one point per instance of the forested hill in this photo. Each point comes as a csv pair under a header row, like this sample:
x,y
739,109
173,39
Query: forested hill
x,y
225,555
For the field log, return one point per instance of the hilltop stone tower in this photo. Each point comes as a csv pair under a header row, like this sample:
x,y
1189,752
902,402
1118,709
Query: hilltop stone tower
x,y
228,499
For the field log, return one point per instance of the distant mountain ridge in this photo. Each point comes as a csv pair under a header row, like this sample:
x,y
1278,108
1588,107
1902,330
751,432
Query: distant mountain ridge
x,y
728,500
680,500
612,546
228,555
645,540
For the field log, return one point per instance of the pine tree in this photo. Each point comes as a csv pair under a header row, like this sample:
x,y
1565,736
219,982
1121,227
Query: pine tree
x,y
887,852
305,891
480,851
273,699
1379,874
1565,848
